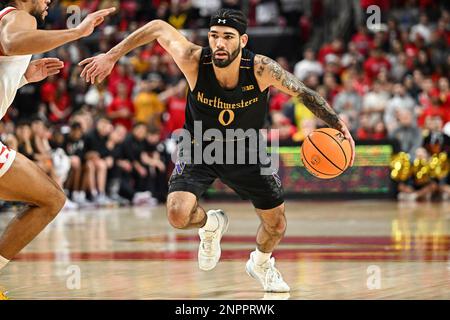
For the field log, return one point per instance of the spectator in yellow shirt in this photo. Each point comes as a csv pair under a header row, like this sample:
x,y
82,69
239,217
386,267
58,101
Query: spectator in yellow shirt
x,y
147,105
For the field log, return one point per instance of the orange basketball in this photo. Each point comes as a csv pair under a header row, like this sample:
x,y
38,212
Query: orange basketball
x,y
326,153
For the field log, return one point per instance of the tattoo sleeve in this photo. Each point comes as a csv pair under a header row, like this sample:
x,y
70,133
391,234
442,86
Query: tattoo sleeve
x,y
312,100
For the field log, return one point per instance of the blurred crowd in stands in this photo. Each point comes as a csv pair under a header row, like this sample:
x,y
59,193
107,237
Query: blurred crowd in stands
x,y
110,143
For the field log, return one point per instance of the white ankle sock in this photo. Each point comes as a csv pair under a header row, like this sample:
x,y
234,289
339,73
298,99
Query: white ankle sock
x,y
3,262
212,222
261,257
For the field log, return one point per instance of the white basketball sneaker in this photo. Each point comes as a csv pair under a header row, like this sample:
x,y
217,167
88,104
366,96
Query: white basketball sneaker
x,y
267,274
209,250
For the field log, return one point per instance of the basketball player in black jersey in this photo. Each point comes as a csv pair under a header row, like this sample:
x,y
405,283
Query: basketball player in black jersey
x,y
228,89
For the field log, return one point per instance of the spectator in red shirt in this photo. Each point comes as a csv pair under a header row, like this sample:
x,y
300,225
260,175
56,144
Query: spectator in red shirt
x,y
48,90
369,131
364,131
375,64
175,111
362,40
121,74
333,65
444,93
336,47
379,131
121,110
428,88
153,49
410,49
434,109
277,100
59,106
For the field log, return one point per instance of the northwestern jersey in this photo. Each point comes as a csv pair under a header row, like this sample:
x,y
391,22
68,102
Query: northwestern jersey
x,y
243,107
12,69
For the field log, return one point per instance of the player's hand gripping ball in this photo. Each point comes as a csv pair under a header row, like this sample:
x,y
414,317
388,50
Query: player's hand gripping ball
x,y
326,153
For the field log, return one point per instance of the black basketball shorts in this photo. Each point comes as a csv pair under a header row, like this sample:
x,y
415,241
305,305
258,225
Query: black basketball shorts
x,y
264,191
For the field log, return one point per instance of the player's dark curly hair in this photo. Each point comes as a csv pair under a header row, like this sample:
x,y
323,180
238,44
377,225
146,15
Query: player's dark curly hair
x,y
233,14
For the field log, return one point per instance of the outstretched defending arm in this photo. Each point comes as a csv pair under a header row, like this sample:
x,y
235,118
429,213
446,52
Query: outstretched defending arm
x,y
20,36
183,52
269,73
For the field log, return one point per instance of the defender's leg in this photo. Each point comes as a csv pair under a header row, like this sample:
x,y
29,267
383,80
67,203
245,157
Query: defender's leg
x,y
26,182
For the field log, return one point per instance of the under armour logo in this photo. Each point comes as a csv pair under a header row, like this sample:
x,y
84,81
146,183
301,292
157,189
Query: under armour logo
x,y
222,21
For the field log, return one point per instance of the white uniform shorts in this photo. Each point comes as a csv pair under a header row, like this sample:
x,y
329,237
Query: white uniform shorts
x,y
7,157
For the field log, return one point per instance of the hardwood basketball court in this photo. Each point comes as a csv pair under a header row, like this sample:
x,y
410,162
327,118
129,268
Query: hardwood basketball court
x,y
332,250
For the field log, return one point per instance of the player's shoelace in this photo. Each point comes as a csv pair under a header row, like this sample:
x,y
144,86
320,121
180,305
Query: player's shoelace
x,y
272,273
208,237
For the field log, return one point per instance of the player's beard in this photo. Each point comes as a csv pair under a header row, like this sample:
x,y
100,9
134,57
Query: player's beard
x,y
225,63
38,14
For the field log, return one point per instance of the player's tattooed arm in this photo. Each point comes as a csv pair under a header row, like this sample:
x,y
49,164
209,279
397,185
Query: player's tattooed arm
x,y
269,72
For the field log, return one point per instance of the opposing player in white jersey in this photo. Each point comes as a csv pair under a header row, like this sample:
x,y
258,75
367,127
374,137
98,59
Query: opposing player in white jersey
x,y
20,179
